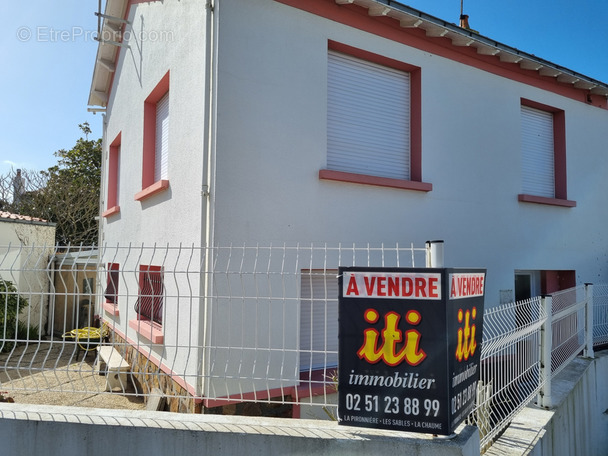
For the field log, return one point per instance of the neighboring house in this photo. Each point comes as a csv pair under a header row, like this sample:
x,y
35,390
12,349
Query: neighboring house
x,y
26,245
354,121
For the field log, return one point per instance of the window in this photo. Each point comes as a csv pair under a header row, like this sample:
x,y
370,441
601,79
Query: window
x,y
111,291
543,148
319,320
112,202
161,144
149,305
373,120
156,141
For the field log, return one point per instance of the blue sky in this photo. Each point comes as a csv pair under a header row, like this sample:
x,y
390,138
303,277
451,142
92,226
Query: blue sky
x,y
48,51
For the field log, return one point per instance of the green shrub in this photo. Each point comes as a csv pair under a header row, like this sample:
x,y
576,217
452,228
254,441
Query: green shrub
x,y
11,305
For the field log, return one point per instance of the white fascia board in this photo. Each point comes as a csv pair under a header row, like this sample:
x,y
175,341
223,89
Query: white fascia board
x,y
106,55
435,27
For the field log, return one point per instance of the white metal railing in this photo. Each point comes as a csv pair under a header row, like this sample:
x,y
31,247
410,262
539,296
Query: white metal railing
x,y
600,314
510,368
525,344
248,324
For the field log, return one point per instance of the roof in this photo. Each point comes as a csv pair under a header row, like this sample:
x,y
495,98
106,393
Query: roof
x,y
10,217
107,51
408,18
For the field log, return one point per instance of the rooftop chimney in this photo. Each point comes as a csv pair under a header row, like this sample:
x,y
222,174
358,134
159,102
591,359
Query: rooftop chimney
x,y
464,21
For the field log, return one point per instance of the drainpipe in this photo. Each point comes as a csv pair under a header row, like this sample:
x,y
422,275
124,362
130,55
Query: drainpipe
x,y
208,189
102,186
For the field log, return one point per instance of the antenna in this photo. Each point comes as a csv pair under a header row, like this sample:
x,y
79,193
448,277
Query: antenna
x,y
99,17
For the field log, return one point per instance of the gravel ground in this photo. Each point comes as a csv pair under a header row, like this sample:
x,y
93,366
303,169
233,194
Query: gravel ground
x,y
59,374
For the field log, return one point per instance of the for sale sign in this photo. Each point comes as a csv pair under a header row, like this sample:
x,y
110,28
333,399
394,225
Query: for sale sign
x,y
409,347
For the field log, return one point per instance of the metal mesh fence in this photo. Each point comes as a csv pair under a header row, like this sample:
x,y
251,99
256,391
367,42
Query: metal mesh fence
x,y
232,327
600,315
509,371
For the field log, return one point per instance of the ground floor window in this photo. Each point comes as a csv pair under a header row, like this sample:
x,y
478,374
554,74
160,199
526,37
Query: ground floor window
x,y
318,319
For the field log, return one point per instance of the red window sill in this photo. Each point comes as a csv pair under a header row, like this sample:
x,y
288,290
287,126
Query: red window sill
x,y
110,308
340,176
156,187
148,329
544,200
113,210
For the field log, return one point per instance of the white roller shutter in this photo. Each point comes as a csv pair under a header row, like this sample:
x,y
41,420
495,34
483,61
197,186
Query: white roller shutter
x,y
368,118
538,152
162,139
319,320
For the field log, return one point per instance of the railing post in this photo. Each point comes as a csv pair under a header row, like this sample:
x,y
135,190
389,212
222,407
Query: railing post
x,y
546,343
434,254
588,352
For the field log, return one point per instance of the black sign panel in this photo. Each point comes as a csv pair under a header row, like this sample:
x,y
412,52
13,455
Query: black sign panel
x,y
410,340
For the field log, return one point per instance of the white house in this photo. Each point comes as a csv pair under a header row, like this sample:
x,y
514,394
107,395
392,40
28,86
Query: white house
x,y
244,122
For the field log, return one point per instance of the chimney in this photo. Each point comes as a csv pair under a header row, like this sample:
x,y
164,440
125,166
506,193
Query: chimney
x,y
18,187
464,21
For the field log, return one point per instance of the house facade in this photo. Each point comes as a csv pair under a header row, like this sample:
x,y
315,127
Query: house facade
x,y
336,121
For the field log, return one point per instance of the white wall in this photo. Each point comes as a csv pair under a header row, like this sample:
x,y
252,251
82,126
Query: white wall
x,y
163,36
272,143
25,249
173,215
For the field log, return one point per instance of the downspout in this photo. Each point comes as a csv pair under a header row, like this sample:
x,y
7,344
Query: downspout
x,y
102,184
105,160
208,188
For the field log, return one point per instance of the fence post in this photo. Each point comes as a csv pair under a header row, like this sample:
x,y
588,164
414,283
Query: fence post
x,y
546,344
434,254
588,352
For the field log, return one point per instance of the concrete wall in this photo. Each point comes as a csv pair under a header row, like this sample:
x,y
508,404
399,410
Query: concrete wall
x,y
26,430
577,425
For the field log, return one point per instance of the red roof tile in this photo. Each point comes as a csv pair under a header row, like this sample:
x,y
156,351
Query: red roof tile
x,y
23,218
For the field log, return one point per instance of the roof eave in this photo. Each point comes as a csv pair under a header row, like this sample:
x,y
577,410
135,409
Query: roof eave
x,y
411,18
110,40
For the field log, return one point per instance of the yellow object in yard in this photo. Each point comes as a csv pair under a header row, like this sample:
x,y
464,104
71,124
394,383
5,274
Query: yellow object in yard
x,y
88,335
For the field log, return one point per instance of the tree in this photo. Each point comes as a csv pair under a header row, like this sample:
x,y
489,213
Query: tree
x,y
66,194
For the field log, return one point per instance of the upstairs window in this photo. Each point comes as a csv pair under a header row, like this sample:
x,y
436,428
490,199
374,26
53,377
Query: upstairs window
x,y
113,183
161,145
155,165
543,152
373,120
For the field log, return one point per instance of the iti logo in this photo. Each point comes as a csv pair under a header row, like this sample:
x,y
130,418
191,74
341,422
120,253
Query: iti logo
x,y
466,335
383,346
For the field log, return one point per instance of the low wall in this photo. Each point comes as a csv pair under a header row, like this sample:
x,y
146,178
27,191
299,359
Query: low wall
x,y
577,425
69,431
